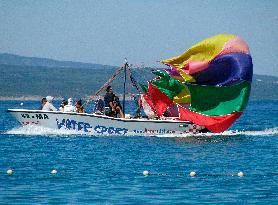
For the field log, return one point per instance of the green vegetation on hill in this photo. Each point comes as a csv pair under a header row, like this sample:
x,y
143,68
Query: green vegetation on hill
x,y
11,59
18,81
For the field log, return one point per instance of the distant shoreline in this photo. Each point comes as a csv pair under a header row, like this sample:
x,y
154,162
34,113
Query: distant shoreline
x,y
27,98
22,98
38,98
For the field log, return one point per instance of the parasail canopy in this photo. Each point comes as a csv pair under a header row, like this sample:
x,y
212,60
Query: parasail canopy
x,y
209,83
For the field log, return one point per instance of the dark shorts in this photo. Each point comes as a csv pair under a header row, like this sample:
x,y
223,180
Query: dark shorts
x,y
108,111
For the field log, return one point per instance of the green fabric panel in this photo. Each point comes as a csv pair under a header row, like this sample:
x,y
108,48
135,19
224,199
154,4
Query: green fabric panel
x,y
160,73
144,87
213,100
168,85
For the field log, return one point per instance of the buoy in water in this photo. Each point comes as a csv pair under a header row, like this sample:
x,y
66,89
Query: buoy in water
x,y
146,173
54,171
240,174
9,171
192,174
21,103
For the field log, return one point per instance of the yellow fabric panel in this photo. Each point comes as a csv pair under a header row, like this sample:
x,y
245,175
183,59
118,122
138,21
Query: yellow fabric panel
x,y
202,51
183,97
186,77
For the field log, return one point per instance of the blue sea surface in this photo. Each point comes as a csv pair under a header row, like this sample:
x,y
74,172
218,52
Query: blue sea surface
x,y
109,170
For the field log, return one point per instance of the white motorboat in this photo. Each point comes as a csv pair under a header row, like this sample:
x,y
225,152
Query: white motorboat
x,y
95,124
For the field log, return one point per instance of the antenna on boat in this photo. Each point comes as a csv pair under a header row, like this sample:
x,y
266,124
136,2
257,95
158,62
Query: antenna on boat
x,y
125,67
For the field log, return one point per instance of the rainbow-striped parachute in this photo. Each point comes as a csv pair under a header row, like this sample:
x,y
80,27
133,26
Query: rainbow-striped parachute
x,y
209,84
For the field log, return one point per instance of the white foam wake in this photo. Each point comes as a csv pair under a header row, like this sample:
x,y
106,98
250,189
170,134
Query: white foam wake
x,y
37,130
266,132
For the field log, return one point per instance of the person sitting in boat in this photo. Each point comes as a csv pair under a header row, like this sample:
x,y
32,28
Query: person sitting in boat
x,y
78,107
111,101
43,101
48,106
69,107
62,106
99,107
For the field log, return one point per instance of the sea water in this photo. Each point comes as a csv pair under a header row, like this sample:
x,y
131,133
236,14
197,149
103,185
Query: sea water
x,y
109,170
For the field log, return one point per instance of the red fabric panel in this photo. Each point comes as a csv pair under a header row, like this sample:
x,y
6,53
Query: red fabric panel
x,y
159,100
212,123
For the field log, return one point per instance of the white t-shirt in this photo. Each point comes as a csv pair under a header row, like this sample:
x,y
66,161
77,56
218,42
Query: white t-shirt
x,y
69,108
49,107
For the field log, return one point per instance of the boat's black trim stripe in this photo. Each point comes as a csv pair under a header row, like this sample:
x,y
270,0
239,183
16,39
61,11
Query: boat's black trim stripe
x,y
97,116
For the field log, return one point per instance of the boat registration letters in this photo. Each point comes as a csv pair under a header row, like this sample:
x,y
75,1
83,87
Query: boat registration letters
x,y
37,116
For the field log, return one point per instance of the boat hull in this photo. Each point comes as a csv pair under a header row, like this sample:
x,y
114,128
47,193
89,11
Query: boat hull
x,y
103,125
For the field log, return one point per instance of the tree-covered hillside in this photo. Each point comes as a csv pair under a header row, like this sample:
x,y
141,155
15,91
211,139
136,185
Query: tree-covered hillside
x,y
18,81
12,59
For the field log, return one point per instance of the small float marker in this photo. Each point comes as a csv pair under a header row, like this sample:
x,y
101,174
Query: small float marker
x,y
9,171
192,174
21,103
54,171
240,174
146,173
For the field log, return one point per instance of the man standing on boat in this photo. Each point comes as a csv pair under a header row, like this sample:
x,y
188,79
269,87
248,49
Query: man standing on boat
x,y
109,100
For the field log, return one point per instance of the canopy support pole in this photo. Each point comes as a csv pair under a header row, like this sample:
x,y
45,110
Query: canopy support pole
x,y
105,85
125,68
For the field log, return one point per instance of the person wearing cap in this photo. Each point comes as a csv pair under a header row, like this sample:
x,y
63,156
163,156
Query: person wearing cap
x,y
69,107
48,106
